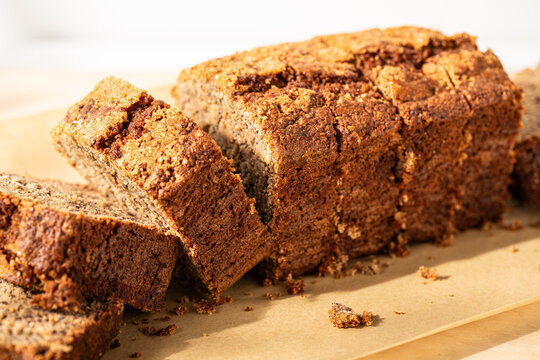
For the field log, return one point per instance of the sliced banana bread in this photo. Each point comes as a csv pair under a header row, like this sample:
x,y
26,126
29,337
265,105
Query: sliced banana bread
x,y
355,142
161,165
70,243
526,184
28,332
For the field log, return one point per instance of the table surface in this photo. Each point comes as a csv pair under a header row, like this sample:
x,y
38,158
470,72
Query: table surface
x,y
513,334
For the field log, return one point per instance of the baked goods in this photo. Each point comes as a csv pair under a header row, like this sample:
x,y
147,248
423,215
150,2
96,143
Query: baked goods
x,y
354,143
161,165
342,316
490,131
28,332
526,177
70,243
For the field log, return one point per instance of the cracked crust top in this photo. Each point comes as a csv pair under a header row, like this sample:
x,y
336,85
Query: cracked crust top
x,y
109,120
282,84
330,58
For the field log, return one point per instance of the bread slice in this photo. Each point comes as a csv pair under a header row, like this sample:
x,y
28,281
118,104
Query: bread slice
x,y
353,143
526,177
171,173
28,332
71,243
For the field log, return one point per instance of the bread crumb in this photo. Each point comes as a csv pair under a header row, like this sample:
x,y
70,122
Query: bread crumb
x,y
204,334
135,355
367,318
180,310
535,223
293,286
205,307
183,300
424,282
115,344
313,282
338,266
428,273
225,299
148,330
248,308
451,295
513,226
430,257
166,331
165,318
399,312
267,282
271,296
373,268
136,322
249,293
342,316
333,265
512,249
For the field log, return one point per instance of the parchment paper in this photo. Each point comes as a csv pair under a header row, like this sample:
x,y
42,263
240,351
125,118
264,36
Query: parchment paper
x,y
484,273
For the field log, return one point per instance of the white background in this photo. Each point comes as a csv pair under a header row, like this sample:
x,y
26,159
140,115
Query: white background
x,y
53,52
161,35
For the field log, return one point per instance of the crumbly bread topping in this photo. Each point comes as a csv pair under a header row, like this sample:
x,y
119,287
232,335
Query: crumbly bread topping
x,y
342,316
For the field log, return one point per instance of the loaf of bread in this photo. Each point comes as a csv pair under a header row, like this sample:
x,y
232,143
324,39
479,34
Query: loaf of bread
x,y
30,333
526,177
70,243
354,143
170,173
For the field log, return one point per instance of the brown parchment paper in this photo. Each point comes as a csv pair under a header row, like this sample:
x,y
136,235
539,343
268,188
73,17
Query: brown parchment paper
x,y
484,273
